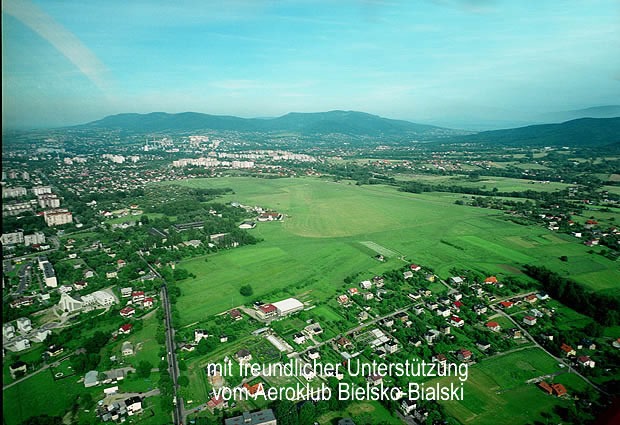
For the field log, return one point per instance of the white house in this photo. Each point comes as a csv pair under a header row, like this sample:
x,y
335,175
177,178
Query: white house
x,y
22,344
24,325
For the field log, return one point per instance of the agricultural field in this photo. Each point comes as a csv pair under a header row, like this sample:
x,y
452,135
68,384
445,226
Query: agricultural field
x,y
328,227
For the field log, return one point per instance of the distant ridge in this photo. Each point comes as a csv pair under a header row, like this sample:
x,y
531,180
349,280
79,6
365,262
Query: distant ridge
x,y
607,111
579,132
344,122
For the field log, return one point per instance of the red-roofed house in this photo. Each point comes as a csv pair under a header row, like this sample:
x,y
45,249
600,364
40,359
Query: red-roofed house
x,y
490,280
120,264
267,310
125,329
137,296
506,304
456,321
128,311
585,361
529,320
255,389
415,267
217,403
343,299
464,355
568,350
235,314
559,389
494,326
457,305
353,291
545,387
148,302
531,298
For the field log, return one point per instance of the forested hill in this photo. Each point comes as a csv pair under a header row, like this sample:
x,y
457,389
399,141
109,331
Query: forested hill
x,y
344,122
580,132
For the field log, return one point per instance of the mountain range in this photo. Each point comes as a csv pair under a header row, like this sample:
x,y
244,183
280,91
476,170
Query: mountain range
x,y
579,132
343,122
576,132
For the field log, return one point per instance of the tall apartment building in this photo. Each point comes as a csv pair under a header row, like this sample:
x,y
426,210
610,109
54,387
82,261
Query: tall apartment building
x,y
57,217
48,200
40,190
13,238
37,238
13,192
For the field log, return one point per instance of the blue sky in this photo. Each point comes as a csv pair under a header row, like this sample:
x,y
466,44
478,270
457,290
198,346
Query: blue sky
x,y
67,62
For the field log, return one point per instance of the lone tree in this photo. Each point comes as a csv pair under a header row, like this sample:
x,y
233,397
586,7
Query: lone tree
x,y
246,290
144,369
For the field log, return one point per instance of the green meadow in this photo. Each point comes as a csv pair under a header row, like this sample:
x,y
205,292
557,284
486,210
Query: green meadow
x,y
496,391
325,236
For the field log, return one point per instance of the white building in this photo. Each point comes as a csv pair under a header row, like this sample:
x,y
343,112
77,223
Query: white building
x,y
288,306
48,200
40,190
13,192
70,304
37,238
24,324
57,217
22,344
13,238
50,275
41,335
8,330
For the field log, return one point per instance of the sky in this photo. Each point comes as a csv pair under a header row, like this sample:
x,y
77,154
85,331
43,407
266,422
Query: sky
x,y
457,62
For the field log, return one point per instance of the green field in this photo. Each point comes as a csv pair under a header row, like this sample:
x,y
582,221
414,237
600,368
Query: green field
x,y
319,243
496,393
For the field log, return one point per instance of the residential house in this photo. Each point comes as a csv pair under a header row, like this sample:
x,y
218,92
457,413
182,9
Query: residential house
x,y
127,348
493,326
125,329
515,333
148,302
235,314
585,361
568,350
137,296
456,280
480,309
457,321
126,292
375,380
483,345
18,369
24,325
299,338
529,320
366,284
127,311
313,354
243,355
407,274
22,344
464,355
408,405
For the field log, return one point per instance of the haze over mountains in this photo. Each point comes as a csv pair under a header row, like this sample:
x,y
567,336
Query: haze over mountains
x,y
576,132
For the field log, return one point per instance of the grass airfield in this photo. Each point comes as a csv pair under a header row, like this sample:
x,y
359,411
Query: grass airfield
x,y
325,236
